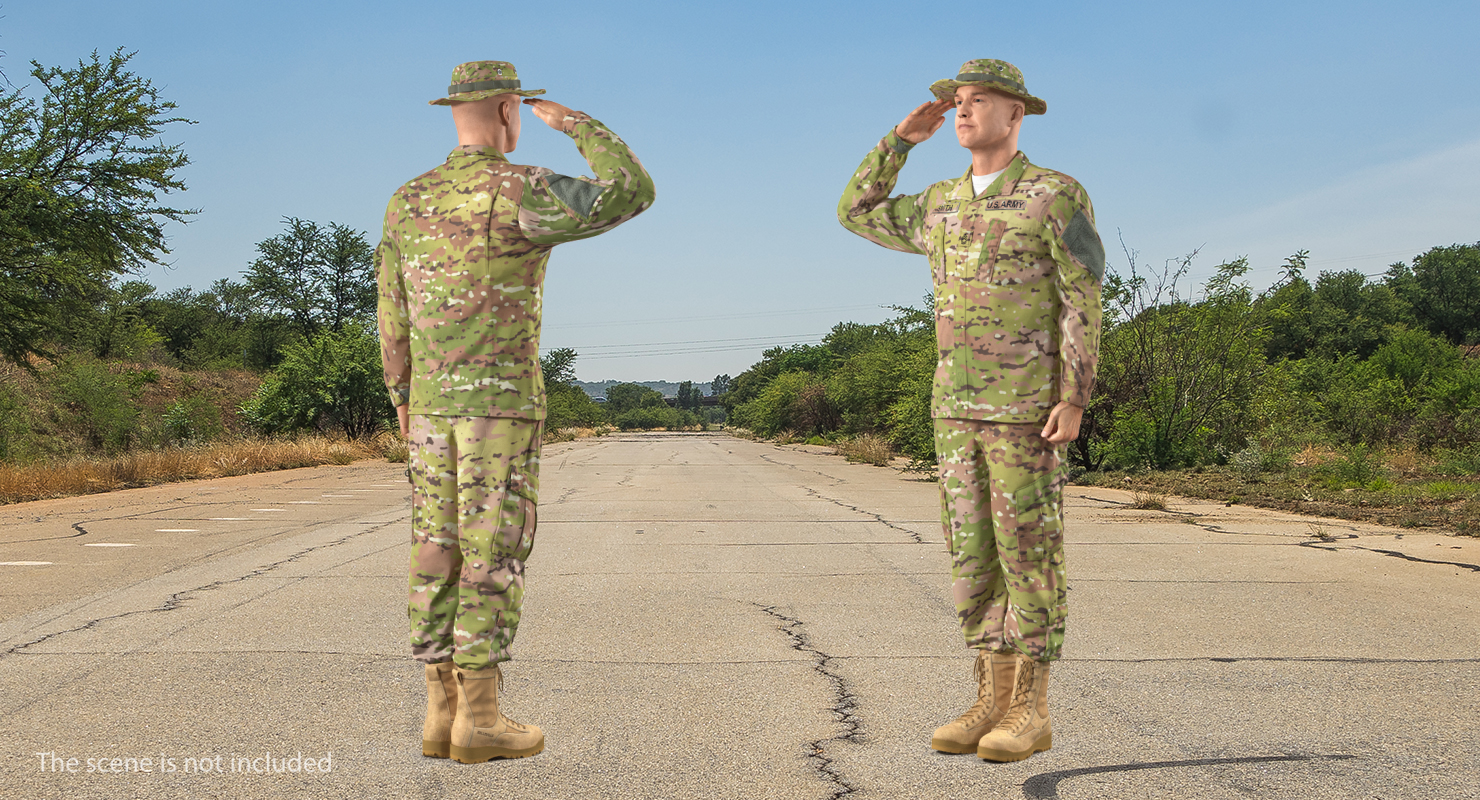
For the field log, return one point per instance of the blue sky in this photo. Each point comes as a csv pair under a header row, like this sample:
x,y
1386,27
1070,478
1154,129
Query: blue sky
x,y
1348,129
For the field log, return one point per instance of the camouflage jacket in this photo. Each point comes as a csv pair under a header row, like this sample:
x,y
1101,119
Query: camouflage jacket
x,y
461,267
1017,281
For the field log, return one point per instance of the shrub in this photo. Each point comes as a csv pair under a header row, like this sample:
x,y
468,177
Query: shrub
x,y
99,403
570,407
793,401
192,419
867,448
15,424
332,380
647,418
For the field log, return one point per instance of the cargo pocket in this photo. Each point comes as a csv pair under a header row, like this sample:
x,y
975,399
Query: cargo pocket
x,y
520,515
1038,506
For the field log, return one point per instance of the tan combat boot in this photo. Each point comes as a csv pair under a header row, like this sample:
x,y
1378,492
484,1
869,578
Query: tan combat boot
x,y
436,732
1026,729
995,674
480,732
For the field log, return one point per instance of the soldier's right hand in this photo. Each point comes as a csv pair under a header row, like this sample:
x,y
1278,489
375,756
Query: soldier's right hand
x,y
923,122
552,113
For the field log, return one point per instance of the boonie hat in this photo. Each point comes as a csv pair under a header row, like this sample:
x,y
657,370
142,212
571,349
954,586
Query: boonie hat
x,y
475,80
993,74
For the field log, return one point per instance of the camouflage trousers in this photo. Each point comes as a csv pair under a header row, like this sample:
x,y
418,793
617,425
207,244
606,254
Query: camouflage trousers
x,y
474,486
1001,507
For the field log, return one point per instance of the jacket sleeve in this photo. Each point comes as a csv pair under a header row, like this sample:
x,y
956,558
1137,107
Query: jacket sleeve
x,y
558,208
391,313
1080,259
867,209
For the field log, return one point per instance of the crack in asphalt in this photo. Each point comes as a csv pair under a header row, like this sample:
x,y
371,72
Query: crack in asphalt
x,y
1325,542
1321,543
836,480
1416,559
844,707
769,460
1045,785
177,599
877,517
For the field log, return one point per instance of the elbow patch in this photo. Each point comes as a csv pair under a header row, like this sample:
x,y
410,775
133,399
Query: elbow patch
x,y
1083,242
578,195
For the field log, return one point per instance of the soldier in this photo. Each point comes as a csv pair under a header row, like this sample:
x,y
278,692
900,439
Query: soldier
x,y
1017,268
460,271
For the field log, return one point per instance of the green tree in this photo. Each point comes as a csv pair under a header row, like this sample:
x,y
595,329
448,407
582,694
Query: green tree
x,y
315,277
688,397
1177,377
333,380
558,367
567,405
719,385
81,172
1444,289
624,397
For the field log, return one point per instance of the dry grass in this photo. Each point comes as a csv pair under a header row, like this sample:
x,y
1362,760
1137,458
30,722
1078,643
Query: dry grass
x,y
867,448
572,434
1149,501
1313,456
1408,462
222,459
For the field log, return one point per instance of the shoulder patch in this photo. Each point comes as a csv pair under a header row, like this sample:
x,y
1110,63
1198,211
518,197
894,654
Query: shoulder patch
x,y
1083,242
580,196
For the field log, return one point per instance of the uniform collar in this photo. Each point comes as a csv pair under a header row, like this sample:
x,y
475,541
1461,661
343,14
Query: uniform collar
x,y
477,151
1006,183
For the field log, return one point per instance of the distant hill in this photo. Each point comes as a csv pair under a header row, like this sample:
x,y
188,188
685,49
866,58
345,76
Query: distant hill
x,y
597,389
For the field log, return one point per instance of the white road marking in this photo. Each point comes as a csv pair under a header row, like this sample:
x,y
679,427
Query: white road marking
x,y
336,495
24,563
233,519
177,530
108,544
304,502
267,509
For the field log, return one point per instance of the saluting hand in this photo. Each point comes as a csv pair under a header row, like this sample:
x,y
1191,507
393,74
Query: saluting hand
x,y
552,113
923,122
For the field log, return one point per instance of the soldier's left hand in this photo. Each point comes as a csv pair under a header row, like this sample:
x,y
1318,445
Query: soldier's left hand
x,y
551,112
1063,423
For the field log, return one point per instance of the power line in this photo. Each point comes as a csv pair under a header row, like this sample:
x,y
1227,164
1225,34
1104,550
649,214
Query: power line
x,y
708,317
780,336
688,350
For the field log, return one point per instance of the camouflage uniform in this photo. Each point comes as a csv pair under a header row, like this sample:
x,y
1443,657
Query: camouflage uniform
x,y
1017,273
460,271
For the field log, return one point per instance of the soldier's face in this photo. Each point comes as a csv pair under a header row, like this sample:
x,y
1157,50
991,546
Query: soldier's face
x,y
985,118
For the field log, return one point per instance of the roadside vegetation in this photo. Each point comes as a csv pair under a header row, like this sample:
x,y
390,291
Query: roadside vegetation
x,y
1344,396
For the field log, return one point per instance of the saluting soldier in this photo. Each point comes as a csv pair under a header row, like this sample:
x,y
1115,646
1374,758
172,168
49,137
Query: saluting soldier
x,y
460,271
1017,267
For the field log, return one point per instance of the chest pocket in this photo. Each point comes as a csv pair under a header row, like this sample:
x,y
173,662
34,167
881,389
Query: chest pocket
x,y
986,265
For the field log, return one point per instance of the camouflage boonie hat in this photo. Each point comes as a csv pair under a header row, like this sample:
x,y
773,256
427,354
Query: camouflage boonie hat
x,y
476,80
993,74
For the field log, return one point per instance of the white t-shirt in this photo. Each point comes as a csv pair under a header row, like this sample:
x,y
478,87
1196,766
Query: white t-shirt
x,y
980,182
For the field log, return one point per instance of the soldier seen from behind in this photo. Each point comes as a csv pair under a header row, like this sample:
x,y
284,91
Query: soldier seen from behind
x,y
461,267
1017,267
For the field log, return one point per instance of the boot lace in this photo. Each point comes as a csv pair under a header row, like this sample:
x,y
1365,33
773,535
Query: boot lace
x,y
1021,710
982,706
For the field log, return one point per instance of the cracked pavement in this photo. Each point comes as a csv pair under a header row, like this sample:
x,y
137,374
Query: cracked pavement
x,y
713,617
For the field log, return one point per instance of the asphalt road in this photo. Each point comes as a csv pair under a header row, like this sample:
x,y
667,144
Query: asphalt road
x,y
708,617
